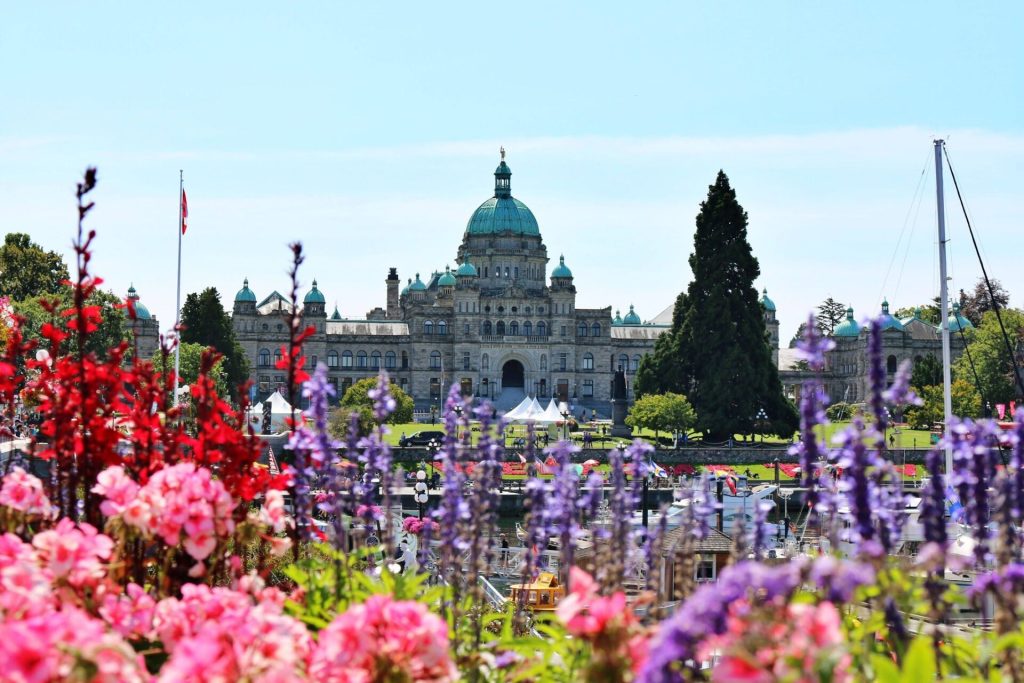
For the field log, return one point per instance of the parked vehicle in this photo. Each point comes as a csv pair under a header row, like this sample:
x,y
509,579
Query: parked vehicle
x,y
421,438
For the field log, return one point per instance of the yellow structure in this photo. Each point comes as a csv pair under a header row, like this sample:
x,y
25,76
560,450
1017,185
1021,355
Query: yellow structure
x,y
543,594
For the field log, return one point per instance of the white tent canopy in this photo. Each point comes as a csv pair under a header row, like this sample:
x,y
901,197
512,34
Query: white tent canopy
x,y
530,410
551,413
280,410
521,412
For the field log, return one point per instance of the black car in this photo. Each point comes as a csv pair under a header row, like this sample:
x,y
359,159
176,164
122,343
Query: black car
x,y
421,439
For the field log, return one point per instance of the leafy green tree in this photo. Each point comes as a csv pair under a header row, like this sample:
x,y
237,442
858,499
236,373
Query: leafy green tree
x,y
206,323
665,368
27,270
966,402
357,399
662,412
830,314
926,372
189,370
730,374
991,360
113,328
929,313
978,302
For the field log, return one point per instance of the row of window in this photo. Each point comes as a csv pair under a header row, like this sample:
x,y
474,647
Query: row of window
x,y
513,328
373,360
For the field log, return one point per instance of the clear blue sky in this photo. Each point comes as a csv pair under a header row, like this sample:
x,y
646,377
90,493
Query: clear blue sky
x,y
369,131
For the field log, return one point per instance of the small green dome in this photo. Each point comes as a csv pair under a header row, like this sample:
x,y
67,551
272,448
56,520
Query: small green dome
x,y
888,322
847,328
957,322
447,279
631,318
335,315
502,213
245,295
417,285
561,270
141,312
617,320
314,296
768,304
405,290
467,269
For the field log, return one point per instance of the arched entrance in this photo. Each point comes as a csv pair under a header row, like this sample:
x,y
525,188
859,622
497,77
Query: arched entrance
x,y
513,375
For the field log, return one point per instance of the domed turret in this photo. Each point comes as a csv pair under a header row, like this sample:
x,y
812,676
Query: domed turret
x,y
245,295
141,312
314,296
847,328
768,304
502,213
617,320
446,279
405,290
561,270
888,322
958,322
631,318
336,315
417,285
467,269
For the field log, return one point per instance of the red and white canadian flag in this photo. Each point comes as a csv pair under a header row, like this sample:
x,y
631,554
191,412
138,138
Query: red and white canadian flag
x,y
184,212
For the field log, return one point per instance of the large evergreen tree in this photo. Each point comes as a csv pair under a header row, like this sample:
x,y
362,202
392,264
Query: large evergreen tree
x,y
664,369
730,374
830,314
206,322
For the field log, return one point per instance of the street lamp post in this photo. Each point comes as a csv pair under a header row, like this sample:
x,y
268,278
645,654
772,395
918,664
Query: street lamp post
x,y
563,410
421,490
760,422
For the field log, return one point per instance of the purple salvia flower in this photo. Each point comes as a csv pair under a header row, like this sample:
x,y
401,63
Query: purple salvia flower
x,y
876,374
973,472
856,486
813,400
759,530
639,455
383,402
313,449
839,579
900,393
593,492
814,345
562,506
933,500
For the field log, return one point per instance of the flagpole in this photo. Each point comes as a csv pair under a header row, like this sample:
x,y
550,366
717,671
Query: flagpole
x,y
177,306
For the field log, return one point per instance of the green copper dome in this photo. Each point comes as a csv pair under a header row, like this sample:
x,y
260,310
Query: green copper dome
x,y
405,290
335,315
847,328
957,322
245,295
502,213
314,296
768,304
631,318
141,312
561,270
617,320
447,279
417,285
888,322
467,269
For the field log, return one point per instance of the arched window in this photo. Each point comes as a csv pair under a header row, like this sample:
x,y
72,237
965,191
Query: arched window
x,y
485,363
265,358
623,362
542,329
499,329
486,328
527,329
375,360
588,361
361,359
442,327
513,328
582,329
389,360
277,356
634,363
435,360
428,327
543,361
346,359
595,330
891,364
332,359
266,327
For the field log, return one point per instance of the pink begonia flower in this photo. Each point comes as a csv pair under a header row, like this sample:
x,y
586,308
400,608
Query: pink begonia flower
x,y
273,514
23,492
381,639
73,553
181,504
129,613
25,588
118,488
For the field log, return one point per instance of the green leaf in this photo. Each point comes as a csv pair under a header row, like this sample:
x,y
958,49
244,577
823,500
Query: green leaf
x,y
885,670
919,664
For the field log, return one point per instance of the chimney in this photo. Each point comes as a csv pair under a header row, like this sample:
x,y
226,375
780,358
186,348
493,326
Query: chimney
x,y
392,283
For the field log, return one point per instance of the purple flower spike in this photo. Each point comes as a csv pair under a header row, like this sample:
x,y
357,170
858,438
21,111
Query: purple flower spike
x,y
813,347
876,375
383,402
900,393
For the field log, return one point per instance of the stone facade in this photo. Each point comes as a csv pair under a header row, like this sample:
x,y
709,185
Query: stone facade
x,y
498,325
145,328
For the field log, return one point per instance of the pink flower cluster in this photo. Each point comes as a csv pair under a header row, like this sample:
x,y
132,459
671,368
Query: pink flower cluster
x,y
23,492
25,590
73,554
179,504
416,526
604,621
791,643
384,640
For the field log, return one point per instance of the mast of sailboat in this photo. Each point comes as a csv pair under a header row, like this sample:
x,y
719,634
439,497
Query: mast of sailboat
x,y
947,399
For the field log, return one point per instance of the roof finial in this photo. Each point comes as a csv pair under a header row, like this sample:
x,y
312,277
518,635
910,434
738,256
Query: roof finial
x,y
502,150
